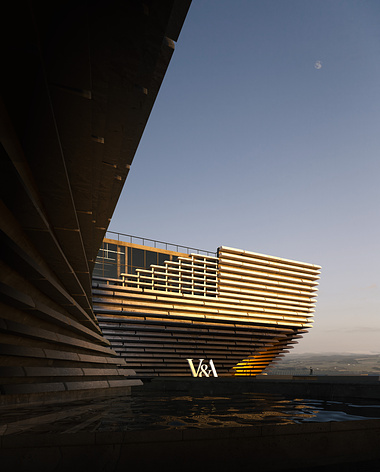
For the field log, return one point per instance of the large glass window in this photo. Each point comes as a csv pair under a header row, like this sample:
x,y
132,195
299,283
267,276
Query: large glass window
x,y
162,258
114,260
138,257
150,258
110,262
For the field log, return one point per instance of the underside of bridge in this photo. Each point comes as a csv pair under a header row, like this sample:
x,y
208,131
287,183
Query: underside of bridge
x,y
79,81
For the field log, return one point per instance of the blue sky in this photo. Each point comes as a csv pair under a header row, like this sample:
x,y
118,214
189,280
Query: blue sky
x,y
250,145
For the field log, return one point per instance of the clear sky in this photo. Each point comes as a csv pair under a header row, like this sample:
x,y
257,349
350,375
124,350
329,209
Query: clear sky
x,y
265,136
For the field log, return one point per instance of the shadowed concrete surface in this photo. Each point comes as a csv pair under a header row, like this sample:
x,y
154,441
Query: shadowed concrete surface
x,y
79,81
152,428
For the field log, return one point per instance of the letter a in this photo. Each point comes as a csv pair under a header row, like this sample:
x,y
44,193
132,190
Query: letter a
x,y
211,364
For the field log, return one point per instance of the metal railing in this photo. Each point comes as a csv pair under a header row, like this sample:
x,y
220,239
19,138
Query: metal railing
x,y
160,244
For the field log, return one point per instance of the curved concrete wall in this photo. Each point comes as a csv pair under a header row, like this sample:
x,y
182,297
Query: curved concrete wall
x,y
79,81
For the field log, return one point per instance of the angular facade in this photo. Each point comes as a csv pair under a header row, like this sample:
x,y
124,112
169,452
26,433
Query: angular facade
x,y
241,309
79,80
78,84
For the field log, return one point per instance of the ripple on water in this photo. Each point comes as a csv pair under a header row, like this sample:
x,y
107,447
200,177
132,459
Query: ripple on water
x,y
152,411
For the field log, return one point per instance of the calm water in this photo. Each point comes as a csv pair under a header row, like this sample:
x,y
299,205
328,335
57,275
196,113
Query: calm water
x,y
168,411
156,410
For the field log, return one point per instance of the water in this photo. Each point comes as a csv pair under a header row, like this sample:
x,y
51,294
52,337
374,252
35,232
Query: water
x,y
183,411
166,410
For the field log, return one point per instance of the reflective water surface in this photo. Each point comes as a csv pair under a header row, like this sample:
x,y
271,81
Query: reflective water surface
x,y
163,410
170,411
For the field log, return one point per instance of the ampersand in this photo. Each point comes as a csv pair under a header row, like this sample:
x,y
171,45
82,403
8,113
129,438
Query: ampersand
x,y
204,371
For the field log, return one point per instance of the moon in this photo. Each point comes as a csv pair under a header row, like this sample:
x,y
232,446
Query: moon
x,y
318,65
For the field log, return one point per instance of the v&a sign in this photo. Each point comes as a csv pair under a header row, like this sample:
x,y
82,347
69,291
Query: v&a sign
x,y
204,369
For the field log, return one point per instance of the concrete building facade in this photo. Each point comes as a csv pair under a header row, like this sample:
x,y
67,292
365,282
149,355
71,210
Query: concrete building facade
x,y
79,81
240,309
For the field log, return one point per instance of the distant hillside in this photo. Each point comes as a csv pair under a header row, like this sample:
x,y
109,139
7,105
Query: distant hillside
x,y
327,364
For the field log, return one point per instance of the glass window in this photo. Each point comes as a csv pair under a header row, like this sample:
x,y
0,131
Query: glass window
x,y
150,258
111,252
162,258
138,257
129,256
110,270
121,250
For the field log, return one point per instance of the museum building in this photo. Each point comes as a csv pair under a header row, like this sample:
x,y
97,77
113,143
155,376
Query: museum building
x,y
79,80
82,316
159,307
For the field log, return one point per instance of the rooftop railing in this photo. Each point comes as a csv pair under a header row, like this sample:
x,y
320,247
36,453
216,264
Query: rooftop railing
x,y
158,244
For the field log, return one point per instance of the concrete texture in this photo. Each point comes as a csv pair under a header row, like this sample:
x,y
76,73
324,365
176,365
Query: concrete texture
x,y
79,81
241,309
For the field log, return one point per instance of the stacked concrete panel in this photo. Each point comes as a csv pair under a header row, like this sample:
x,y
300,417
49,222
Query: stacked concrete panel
x,y
240,309
275,291
79,80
